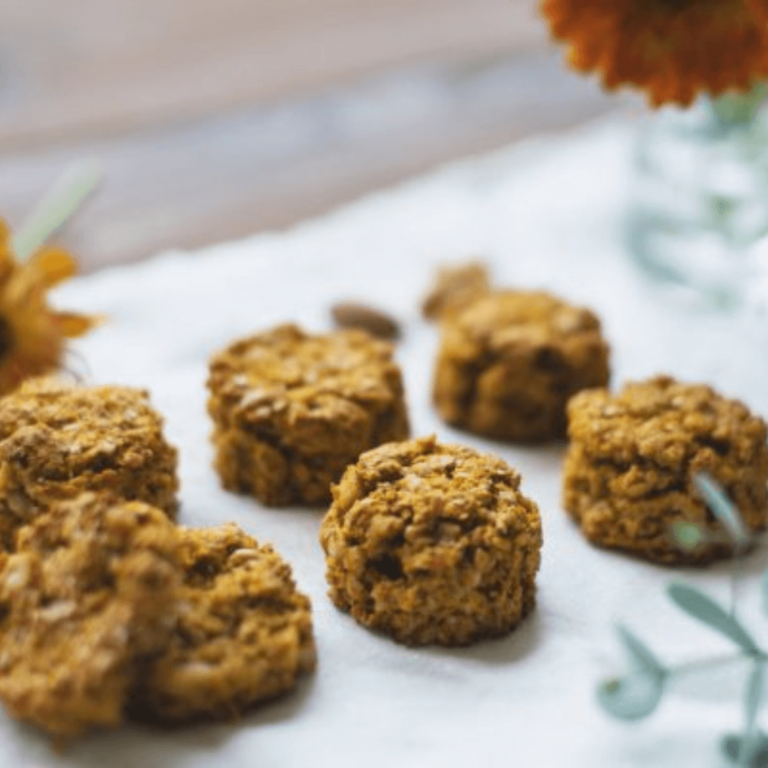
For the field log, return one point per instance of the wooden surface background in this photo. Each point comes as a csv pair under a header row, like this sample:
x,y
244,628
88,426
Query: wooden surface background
x,y
215,119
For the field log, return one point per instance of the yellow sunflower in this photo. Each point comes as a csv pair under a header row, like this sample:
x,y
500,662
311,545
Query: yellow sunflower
x,y
32,335
672,49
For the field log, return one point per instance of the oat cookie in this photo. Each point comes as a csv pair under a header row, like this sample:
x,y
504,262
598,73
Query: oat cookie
x,y
432,543
508,363
82,600
292,410
58,440
628,474
243,633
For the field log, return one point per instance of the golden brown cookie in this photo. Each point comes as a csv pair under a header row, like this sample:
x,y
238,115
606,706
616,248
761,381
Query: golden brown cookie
x,y
508,363
628,475
292,410
59,440
243,633
455,286
85,597
432,543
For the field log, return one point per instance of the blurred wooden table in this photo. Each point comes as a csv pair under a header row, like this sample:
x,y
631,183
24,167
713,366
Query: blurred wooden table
x,y
215,119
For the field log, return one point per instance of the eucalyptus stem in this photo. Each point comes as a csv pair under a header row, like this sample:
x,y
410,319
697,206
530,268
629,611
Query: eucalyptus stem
x,y
637,694
753,699
698,665
737,575
61,202
733,523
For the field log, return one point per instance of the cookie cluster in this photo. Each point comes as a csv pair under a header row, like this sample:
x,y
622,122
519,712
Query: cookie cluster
x,y
108,609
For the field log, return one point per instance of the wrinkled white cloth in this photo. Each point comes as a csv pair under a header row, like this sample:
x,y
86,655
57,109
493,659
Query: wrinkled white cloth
x,y
545,214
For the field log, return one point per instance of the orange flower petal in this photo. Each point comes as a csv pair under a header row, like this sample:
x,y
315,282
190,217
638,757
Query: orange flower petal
x,y
672,49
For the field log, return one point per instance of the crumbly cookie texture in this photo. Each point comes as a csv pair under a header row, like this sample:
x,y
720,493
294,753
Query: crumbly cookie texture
x,y
292,410
82,600
628,474
509,362
454,287
58,440
243,633
432,544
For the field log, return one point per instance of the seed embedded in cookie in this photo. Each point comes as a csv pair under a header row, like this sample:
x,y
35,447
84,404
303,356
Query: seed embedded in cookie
x,y
628,474
58,440
509,362
243,633
291,410
87,595
432,544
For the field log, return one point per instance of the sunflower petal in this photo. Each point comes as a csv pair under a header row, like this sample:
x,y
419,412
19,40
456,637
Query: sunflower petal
x,y
5,235
35,335
8,266
52,265
73,325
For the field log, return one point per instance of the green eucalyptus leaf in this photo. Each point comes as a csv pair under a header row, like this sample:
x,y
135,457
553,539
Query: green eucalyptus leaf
x,y
631,697
756,748
706,610
753,696
639,652
726,513
61,202
764,590
731,746
688,536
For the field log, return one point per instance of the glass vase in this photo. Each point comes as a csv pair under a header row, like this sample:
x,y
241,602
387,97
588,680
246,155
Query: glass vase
x,y
699,196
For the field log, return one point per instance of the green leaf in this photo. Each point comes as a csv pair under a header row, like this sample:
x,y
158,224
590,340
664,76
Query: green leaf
x,y
753,696
728,516
688,536
756,748
706,610
61,202
640,653
631,697
764,589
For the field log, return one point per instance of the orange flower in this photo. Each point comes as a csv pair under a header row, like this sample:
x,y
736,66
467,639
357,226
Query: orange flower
x,y
32,335
759,9
672,49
